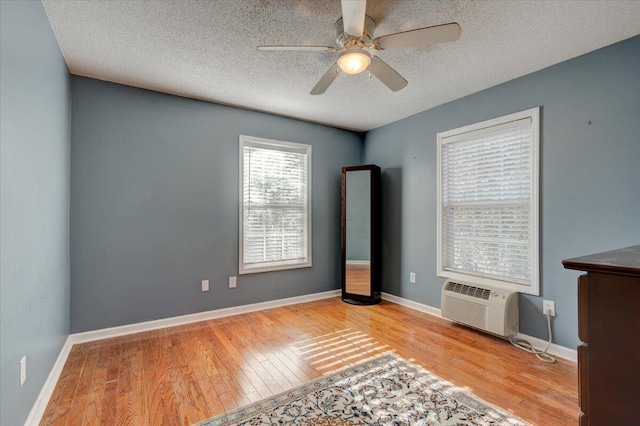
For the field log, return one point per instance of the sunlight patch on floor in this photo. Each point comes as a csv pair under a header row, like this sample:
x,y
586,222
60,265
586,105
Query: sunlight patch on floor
x,y
334,351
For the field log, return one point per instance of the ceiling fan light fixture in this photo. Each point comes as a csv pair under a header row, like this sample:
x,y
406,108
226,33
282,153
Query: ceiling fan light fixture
x,y
354,61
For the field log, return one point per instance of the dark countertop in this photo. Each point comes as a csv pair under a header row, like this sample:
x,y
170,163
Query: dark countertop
x,y
624,261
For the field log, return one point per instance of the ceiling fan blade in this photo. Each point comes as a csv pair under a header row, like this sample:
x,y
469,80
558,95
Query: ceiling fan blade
x,y
386,74
353,12
313,48
326,80
419,37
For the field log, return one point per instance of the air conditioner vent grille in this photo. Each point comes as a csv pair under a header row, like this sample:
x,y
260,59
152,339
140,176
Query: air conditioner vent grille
x,y
468,290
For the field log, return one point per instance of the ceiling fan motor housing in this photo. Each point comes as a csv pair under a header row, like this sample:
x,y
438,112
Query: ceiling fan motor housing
x,y
344,40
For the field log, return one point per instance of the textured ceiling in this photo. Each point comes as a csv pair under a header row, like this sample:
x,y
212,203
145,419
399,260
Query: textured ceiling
x,y
207,49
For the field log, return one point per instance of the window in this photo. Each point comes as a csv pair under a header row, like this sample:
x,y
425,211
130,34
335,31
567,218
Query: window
x,y
488,202
275,205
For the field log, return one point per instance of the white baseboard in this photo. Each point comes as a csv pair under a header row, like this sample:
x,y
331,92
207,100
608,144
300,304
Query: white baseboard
x,y
554,349
106,333
35,416
411,304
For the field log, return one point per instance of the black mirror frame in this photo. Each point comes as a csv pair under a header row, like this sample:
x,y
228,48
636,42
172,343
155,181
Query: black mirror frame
x,y
376,238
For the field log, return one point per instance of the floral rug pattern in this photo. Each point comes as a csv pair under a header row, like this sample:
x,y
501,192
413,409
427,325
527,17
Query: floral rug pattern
x,y
384,391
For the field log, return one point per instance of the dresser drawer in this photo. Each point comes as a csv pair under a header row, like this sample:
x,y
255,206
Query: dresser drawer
x,y
583,377
583,308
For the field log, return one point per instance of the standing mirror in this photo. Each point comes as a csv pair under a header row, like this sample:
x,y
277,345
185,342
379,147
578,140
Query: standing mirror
x,y
361,242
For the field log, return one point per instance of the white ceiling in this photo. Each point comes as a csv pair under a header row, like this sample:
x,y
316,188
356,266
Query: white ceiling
x,y
207,49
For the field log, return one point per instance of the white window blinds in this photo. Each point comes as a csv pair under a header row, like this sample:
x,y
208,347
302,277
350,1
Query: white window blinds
x,y
275,205
488,226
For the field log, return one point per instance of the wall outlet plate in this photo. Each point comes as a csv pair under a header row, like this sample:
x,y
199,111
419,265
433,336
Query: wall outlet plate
x,y
23,370
232,282
205,285
412,277
549,306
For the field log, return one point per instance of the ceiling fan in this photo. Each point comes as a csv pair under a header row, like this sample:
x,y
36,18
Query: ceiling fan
x,y
355,43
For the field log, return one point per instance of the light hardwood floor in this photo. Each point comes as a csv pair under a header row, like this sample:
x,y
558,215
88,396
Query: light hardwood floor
x,y
185,374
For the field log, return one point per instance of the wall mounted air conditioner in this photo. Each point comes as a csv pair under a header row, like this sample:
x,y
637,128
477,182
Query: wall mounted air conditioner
x,y
488,309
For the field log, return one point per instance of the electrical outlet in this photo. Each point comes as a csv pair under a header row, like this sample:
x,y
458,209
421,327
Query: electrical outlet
x,y
412,277
549,307
232,282
23,370
205,285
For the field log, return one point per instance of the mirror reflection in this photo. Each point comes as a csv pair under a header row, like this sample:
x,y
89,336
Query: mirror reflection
x,y
358,232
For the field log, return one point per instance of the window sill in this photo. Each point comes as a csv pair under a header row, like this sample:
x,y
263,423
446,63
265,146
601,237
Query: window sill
x,y
243,270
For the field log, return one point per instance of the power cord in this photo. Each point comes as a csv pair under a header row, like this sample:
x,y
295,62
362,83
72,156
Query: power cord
x,y
528,347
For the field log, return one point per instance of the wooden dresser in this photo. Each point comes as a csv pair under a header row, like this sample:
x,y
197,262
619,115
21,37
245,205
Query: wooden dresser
x,y
609,326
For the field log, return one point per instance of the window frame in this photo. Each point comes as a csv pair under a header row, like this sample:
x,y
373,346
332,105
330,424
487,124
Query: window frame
x,y
473,278
243,268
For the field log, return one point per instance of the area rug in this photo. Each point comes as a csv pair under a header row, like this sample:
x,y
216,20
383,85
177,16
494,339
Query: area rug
x,y
387,390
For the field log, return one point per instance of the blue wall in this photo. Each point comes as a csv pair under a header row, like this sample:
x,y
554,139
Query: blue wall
x,y
590,176
154,184
34,204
